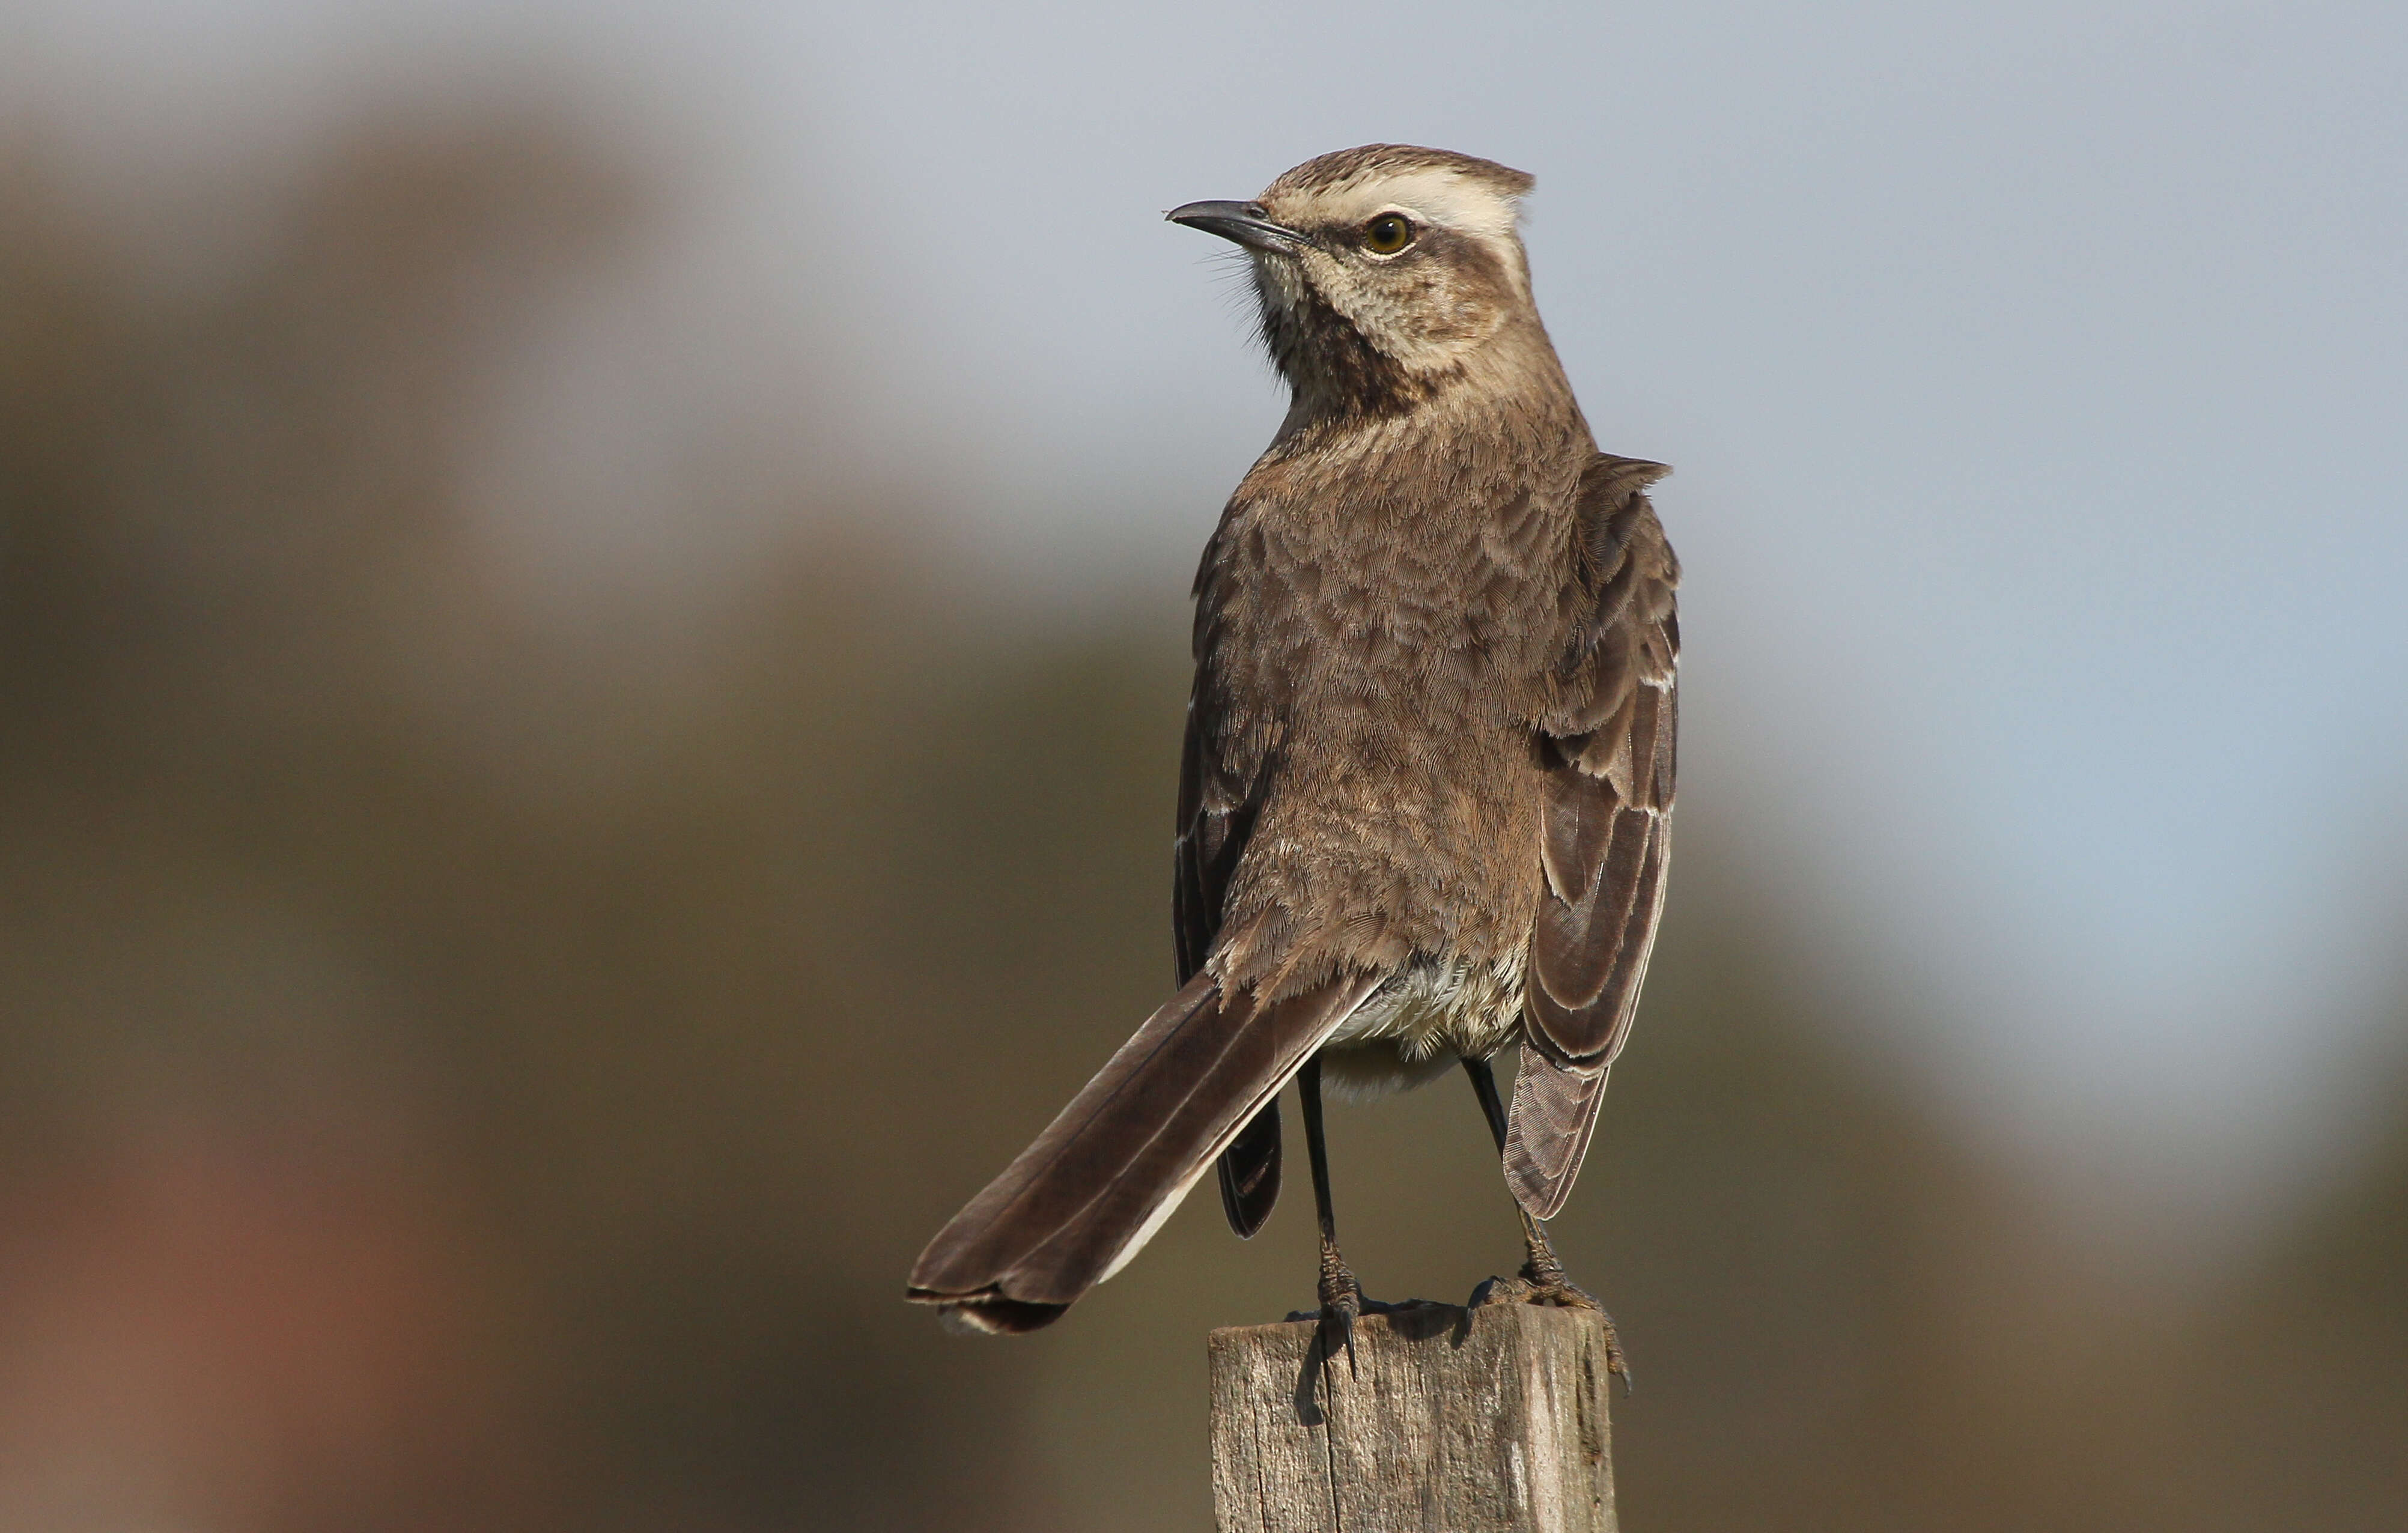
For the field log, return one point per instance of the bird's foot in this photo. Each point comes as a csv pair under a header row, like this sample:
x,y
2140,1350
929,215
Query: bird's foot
x,y
1363,1304
1341,1304
1523,1289
1555,1290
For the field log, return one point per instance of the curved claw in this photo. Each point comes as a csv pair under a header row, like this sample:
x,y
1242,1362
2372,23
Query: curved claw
x,y
1337,1319
1342,1303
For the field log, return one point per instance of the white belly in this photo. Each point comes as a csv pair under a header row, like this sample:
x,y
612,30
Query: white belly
x,y
1418,1025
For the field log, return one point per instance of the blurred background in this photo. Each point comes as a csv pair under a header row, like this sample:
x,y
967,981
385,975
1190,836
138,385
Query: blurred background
x,y
593,602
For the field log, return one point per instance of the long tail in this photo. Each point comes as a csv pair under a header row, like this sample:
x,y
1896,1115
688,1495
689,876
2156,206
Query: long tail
x,y
1096,1184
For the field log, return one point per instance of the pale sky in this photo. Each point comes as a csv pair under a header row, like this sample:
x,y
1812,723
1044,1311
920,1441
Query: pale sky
x,y
2036,376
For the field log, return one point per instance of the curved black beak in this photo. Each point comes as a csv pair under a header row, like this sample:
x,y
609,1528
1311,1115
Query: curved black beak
x,y
1242,221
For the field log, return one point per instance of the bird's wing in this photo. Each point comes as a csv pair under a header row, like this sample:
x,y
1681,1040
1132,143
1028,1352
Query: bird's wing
x,y
1216,815
1608,744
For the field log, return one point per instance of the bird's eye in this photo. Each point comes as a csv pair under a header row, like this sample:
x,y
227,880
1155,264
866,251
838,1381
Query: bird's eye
x,y
1387,234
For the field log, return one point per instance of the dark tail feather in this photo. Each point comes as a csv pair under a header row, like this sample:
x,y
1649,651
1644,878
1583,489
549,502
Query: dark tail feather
x,y
1554,1113
1103,1177
1250,1172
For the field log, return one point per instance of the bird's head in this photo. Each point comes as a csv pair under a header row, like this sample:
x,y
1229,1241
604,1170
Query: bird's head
x,y
1382,271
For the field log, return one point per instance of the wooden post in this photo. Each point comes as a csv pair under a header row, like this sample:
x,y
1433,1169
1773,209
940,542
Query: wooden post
x,y
1489,1420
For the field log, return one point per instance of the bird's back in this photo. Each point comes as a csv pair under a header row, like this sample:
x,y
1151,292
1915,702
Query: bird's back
x,y
1379,613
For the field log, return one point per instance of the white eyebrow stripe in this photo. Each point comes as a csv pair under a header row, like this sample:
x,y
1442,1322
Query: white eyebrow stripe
x,y
1438,196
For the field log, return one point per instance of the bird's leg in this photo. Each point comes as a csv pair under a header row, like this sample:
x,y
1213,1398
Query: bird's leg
x,y
1541,1268
1341,1296
1542,1280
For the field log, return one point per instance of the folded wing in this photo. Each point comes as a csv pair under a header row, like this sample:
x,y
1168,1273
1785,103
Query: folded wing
x,y
1216,816
1606,742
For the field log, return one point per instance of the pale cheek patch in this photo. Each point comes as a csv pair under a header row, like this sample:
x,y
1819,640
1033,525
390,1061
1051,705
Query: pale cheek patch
x,y
1421,323
1375,309
1397,321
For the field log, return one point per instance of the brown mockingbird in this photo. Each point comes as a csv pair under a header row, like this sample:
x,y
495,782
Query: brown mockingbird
x,y
1425,805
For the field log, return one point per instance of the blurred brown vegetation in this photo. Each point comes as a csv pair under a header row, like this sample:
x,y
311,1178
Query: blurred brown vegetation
x,y
460,1074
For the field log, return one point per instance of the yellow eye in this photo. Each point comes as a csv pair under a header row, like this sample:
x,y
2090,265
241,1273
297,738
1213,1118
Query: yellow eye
x,y
1387,234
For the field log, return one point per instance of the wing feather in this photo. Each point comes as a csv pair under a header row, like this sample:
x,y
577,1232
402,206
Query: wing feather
x,y
1606,742
1216,815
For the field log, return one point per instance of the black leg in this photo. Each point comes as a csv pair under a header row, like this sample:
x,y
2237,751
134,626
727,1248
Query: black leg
x,y
1341,1296
1542,1278
1484,1085
1542,1268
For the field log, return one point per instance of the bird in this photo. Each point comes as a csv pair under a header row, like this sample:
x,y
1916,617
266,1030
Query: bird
x,y
1425,798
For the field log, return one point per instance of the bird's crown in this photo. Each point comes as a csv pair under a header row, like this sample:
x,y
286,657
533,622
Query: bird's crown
x,y
1335,193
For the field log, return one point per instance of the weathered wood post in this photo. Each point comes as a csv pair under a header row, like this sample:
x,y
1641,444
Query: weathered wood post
x,y
1488,1420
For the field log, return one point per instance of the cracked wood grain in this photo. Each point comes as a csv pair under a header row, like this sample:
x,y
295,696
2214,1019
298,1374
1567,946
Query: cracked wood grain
x,y
1490,1420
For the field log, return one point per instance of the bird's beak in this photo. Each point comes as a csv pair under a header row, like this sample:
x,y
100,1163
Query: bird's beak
x,y
1242,221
